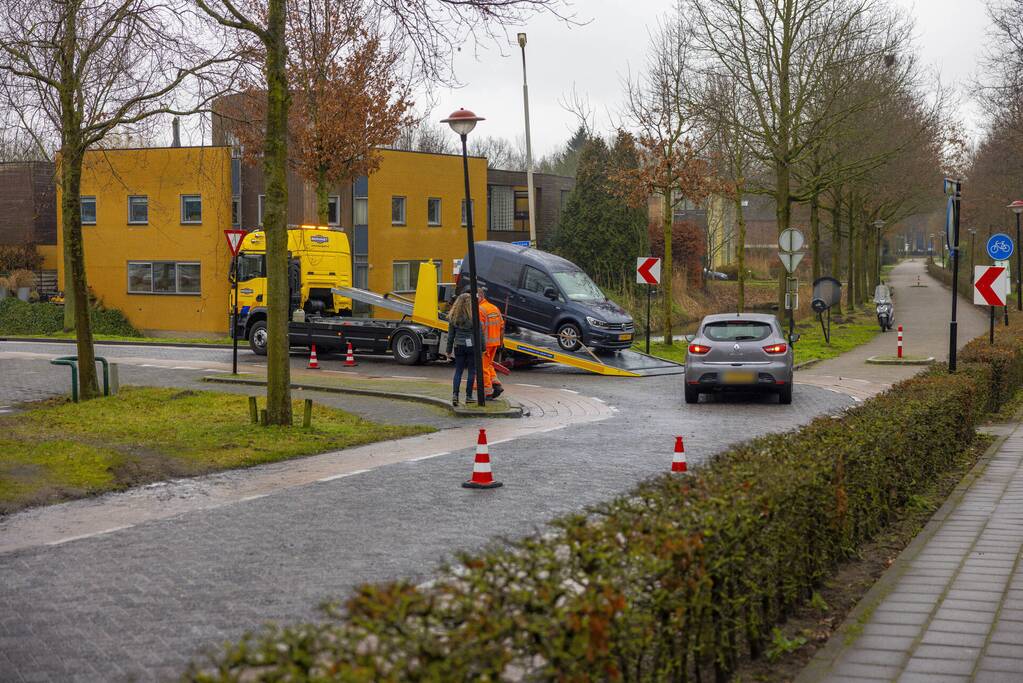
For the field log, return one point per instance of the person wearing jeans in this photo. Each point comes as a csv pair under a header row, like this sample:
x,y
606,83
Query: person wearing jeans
x,y
460,342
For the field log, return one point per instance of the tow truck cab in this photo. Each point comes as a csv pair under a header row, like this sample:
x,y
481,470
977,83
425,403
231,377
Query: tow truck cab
x,y
319,259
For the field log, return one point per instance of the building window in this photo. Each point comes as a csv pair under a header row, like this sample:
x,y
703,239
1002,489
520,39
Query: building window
x,y
406,274
191,208
163,277
472,208
501,208
433,211
138,210
334,210
260,205
360,211
361,274
397,211
521,205
88,210
236,211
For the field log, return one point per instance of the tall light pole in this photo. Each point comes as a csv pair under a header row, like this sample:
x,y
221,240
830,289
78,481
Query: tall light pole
x,y
462,122
1017,208
529,148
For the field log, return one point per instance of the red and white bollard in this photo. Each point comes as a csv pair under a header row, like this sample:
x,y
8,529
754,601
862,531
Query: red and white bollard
x,y
900,341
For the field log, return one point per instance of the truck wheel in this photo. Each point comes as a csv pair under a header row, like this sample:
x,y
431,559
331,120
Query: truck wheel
x,y
569,336
258,338
407,348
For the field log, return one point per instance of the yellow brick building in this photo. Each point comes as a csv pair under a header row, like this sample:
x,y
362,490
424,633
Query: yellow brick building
x,y
153,222
411,210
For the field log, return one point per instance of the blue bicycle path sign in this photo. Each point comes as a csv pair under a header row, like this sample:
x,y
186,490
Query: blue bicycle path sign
x,y
999,246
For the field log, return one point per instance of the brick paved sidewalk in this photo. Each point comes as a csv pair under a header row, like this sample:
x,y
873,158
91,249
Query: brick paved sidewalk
x,y
951,607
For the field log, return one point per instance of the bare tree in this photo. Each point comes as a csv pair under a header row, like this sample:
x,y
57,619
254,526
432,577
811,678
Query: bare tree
x,y
793,60
78,70
657,109
427,30
499,152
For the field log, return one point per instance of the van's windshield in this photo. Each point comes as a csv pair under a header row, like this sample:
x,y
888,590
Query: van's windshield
x,y
577,286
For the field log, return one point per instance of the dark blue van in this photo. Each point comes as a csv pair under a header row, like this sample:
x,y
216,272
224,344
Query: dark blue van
x,y
546,293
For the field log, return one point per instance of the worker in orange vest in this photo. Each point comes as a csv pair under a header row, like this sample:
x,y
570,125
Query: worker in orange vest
x,y
493,330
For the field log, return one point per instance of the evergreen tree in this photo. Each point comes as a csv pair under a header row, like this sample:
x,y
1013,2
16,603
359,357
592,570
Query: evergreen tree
x,y
598,230
565,161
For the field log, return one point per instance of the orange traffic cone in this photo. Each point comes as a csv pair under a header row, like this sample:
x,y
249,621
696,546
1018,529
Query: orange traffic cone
x,y
313,364
350,358
481,476
678,463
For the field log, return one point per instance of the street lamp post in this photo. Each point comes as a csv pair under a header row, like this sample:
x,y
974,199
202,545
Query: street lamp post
x,y
462,122
1017,208
930,246
529,148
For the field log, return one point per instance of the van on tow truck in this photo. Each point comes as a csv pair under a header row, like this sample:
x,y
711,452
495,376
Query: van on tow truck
x,y
319,260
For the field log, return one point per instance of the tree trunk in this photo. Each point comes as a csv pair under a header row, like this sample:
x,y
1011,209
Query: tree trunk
x,y
275,224
74,263
836,242
740,247
322,198
861,263
850,271
69,283
783,212
815,234
666,271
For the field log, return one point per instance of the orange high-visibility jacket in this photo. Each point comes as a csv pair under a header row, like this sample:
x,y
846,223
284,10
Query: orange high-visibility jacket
x,y
493,323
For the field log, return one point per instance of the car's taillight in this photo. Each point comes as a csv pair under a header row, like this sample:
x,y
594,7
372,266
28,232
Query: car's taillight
x,y
776,348
698,349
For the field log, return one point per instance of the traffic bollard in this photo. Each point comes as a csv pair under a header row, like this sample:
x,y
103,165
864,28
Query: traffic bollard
x,y
900,341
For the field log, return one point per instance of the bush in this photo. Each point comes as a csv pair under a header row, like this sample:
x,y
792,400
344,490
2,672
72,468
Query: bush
x,y
24,257
41,319
673,581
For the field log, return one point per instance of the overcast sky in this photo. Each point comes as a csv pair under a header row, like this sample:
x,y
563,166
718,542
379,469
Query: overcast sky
x,y
593,59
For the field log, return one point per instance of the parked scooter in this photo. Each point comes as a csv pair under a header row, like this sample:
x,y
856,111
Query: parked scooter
x,y
885,307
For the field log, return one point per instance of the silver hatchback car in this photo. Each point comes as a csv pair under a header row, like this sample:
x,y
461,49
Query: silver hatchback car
x,y
739,352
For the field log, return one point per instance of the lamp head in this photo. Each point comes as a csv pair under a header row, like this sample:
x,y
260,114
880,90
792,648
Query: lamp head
x,y
1016,206
462,121
522,40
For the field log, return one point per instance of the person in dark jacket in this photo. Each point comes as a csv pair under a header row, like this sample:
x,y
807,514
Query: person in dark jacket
x,y
460,342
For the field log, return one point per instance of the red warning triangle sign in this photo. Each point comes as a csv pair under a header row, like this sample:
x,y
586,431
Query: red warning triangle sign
x,y
234,240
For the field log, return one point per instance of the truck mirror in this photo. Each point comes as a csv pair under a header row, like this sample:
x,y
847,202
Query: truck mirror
x,y
551,293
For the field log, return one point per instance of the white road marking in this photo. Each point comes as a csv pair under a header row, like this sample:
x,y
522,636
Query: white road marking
x,y
183,367
342,476
427,457
598,399
95,533
570,391
258,495
150,365
521,384
551,429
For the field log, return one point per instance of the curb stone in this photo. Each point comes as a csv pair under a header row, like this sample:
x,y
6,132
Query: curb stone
x,y
118,342
819,667
513,411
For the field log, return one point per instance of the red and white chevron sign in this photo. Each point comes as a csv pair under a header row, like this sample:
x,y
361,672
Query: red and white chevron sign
x,y
990,285
648,270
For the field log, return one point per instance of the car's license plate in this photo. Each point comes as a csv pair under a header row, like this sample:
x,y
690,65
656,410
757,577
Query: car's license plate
x,y
624,337
738,377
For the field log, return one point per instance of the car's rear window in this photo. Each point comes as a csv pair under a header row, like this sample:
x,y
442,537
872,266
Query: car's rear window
x,y
736,330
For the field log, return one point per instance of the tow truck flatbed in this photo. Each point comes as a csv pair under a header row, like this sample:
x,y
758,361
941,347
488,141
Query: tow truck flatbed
x,y
536,347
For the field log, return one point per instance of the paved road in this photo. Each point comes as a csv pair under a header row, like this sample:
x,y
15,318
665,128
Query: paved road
x,y
924,313
140,602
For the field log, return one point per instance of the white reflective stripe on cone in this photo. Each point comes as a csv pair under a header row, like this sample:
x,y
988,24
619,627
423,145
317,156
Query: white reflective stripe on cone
x,y
481,467
482,449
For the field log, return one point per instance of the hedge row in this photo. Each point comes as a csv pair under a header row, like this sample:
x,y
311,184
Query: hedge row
x,y
19,317
675,581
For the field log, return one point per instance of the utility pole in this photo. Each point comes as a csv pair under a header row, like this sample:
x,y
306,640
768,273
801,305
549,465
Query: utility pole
x,y
529,148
